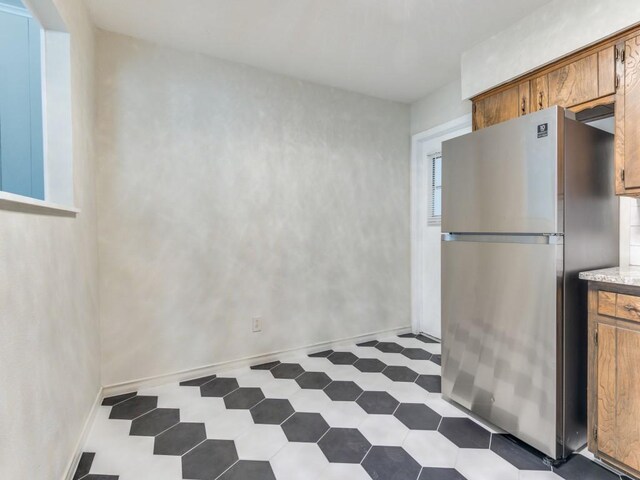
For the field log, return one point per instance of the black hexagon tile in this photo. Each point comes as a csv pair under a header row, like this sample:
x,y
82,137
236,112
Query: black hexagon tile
x,y
389,347
344,445
378,403
84,465
417,416
305,427
464,433
370,365
431,383
134,407
407,335
440,474
400,374
343,391
265,366
425,339
219,387
437,359
249,470
516,453
323,354
114,400
287,370
209,459
197,382
579,467
155,422
342,358
313,380
395,463
370,343
272,411
416,354
243,398
179,439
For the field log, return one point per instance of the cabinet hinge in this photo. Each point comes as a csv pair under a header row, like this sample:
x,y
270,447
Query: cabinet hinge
x,y
617,82
595,338
595,432
619,55
622,175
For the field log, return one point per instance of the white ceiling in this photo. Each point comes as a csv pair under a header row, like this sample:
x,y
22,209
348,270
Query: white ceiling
x,y
394,49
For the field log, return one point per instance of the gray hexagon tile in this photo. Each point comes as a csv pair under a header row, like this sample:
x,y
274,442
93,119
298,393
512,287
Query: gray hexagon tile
x,y
313,380
287,370
343,391
305,427
372,412
155,422
344,445
243,398
378,403
179,439
209,459
219,387
272,411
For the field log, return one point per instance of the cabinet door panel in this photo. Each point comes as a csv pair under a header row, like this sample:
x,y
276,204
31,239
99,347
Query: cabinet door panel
x,y
497,108
606,389
628,398
524,92
606,71
574,83
539,93
632,114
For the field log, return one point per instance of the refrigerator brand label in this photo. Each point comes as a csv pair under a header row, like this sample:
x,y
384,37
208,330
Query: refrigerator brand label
x,y
543,130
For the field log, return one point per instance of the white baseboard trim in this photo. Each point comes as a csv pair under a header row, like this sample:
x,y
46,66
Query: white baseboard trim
x,y
86,428
216,368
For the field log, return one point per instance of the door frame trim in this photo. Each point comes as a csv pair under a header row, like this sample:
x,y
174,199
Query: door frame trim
x,y
420,144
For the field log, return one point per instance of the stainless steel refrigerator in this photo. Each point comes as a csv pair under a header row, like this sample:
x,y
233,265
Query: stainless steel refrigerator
x,y
527,205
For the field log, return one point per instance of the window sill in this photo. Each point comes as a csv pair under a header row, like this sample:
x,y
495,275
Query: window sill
x,y
19,203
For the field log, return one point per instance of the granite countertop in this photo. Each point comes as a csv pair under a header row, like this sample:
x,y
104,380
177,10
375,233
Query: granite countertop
x,y
619,275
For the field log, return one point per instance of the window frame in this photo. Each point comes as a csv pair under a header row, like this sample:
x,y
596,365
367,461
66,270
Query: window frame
x,y
433,219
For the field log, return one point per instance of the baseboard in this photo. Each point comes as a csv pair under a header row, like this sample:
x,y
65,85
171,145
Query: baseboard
x,y
216,368
77,453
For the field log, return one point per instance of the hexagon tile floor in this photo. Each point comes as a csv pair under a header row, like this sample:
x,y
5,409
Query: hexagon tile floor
x,y
373,411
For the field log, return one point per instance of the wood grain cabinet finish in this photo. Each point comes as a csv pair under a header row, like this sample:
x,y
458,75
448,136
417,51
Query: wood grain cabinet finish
x,y
574,83
603,75
614,376
497,108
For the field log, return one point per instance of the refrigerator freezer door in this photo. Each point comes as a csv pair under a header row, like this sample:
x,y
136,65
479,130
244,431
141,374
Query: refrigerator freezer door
x,y
504,179
499,313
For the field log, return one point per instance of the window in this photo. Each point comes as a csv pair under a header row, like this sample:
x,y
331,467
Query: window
x,y
435,203
21,118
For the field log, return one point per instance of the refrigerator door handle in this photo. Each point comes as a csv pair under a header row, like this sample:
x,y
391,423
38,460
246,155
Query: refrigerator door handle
x,y
538,239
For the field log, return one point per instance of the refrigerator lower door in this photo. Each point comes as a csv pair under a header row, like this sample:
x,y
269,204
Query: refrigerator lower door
x,y
499,332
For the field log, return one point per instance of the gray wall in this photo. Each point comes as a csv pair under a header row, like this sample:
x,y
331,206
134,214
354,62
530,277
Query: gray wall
x,y
226,192
440,106
49,345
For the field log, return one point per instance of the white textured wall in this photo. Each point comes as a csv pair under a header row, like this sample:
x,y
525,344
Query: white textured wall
x,y
49,348
554,30
440,106
227,192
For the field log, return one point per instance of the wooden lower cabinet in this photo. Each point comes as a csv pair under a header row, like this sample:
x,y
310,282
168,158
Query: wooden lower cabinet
x,y
614,375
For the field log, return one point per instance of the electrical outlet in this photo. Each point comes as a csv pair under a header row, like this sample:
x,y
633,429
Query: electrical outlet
x,y
256,324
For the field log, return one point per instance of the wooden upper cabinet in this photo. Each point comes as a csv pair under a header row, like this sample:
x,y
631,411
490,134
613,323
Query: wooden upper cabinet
x,y
539,93
607,71
574,83
497,108
628,121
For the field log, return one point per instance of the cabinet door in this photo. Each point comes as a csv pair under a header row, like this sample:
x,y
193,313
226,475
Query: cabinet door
x,y
574,83
628,398
524,92
497,108
631,110
606,389
539,93
607,71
